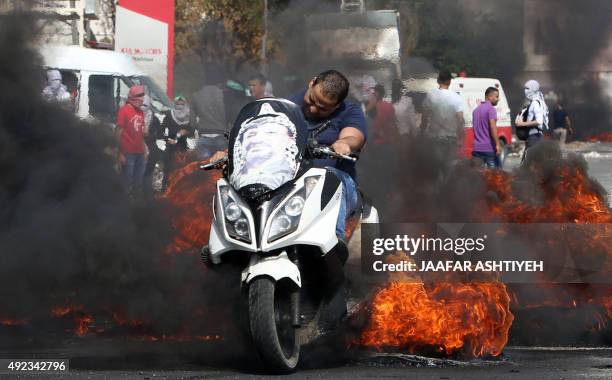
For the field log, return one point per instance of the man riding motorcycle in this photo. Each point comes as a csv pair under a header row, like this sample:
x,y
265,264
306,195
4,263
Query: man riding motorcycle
x,y
337,123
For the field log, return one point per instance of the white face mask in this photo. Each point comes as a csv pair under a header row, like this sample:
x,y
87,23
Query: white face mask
x,y
531,89
55,84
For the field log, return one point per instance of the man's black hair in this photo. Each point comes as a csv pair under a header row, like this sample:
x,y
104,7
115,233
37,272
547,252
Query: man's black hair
x,y
444,76
490,90
333,85
380,91
260,78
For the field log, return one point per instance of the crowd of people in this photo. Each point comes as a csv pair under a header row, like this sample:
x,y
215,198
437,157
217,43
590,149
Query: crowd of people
x,y
146,141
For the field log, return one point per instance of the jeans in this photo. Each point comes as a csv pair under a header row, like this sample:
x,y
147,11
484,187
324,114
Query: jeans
x,y
530,142
561,134
348,203
133,172
489,159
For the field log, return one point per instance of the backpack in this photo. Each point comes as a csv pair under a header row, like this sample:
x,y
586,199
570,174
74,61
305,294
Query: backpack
x,y
523,133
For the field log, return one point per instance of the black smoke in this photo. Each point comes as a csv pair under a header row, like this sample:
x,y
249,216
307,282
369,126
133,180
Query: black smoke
x,y
577,42
69,235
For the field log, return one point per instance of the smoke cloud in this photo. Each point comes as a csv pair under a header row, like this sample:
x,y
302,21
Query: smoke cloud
x,y
69,235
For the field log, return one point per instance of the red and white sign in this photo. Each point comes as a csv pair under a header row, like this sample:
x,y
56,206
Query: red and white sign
x,y
145,30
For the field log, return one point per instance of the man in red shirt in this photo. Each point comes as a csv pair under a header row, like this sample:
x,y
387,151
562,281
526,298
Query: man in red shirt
x,y
384,124
130,133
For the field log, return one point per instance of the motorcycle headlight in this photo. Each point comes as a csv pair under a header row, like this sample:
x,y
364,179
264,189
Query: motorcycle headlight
x,y
236,222
282,225
294,206
310,183
241,226
232,212
288,217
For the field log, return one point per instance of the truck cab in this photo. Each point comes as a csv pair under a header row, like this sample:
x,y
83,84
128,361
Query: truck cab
x,y
99,80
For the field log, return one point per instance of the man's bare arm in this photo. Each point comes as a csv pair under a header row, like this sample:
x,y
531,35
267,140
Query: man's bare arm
x,y
218,156
460,127
493,129
350,140
520,123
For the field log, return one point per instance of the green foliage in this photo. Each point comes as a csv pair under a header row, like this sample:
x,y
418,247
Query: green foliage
x,y
219,27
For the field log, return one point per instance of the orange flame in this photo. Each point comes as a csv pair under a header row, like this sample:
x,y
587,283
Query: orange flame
x,y
60,311
82,324
81,319
571,199
606,137
190,191
121,320
12,322
472,319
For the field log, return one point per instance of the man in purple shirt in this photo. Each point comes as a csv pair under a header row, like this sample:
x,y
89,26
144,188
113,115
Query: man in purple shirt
x,y
484,123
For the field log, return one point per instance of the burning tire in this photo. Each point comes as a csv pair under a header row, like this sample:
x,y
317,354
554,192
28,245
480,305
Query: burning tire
x,y
275,339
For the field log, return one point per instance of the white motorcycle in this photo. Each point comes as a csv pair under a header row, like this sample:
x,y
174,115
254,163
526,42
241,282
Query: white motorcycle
x,y
286,242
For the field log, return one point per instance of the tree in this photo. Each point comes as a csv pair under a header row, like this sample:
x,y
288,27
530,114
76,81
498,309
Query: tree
x,y
219,28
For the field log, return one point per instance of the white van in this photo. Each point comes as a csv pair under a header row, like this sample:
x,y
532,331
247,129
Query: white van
x,y
99,80
472,92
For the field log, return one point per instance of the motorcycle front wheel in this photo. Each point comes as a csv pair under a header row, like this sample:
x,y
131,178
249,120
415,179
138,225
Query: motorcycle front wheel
x,y
275,339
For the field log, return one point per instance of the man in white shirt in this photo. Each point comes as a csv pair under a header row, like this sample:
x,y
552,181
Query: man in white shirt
x,y
443,112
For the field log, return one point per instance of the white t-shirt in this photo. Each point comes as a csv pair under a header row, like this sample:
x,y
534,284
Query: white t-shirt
x,y
441,106
406,116
537,113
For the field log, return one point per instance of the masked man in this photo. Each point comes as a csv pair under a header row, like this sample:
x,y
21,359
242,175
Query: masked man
x,y
535,117
130,133
176,128
55,91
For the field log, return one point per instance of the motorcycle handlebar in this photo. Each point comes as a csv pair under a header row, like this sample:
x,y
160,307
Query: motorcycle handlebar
x,y
214,165
327,151
322,150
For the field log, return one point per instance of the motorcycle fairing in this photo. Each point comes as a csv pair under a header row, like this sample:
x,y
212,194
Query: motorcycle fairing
x,y
316,226
276,267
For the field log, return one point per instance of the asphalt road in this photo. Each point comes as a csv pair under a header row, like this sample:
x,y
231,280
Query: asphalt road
x,y
168,362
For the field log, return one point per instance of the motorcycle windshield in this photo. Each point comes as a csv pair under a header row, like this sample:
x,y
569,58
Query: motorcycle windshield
x,y
265,145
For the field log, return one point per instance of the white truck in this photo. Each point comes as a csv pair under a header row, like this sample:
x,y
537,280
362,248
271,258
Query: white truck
x,y
99,80
472,92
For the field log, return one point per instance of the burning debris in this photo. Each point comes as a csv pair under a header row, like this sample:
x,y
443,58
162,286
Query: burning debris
x,y
467,320
404,360
190,193
602,137
566,194
474,320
